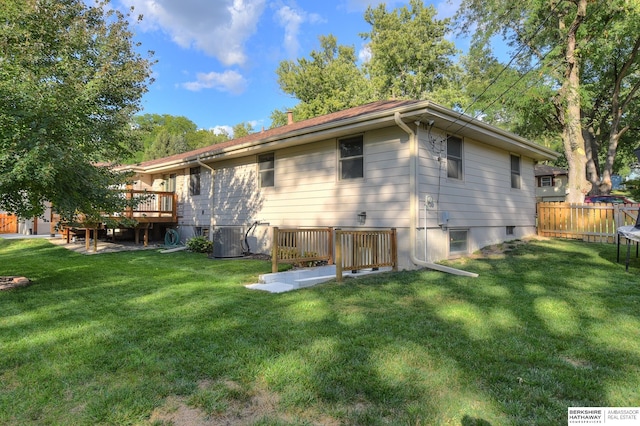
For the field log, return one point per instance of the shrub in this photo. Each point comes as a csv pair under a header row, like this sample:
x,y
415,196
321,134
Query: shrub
x,y
199,244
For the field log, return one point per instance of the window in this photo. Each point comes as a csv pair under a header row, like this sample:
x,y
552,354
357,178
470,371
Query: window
x,y
194,181
351,163
458,241
454,157
511,230
515,171
546,181
170,182
266,169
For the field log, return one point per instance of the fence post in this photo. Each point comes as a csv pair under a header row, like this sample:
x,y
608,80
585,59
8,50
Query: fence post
x,y
331,241
274,250
338,235
394,249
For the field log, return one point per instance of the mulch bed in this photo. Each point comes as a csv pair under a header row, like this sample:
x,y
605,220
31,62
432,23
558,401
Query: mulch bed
x,y
8,283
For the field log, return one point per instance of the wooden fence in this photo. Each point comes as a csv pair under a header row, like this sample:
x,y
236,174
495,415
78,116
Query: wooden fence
x,y
354,249
8,223
596,222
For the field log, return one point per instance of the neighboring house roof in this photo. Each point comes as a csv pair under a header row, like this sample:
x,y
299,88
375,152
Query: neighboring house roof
x,y
353,120
544,170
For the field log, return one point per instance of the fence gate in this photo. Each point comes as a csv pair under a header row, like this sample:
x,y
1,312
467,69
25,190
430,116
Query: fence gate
x,y
8,223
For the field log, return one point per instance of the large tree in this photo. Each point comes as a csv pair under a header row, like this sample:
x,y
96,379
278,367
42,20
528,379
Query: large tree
x,y
578,57
407,56
329,81
410,55
70,81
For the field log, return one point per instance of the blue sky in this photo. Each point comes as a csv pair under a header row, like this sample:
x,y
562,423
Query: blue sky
x,y
216,59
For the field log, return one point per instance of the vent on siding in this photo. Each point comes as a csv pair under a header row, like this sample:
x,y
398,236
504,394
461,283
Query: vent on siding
x,y
227,241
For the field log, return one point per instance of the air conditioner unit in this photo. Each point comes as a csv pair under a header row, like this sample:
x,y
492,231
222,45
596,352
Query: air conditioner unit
x,y
227,241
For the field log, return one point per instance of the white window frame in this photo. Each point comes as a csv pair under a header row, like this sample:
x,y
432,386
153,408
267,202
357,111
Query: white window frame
x,y
466,242
195,181
455,159
342,160
263,170
546,181
516,175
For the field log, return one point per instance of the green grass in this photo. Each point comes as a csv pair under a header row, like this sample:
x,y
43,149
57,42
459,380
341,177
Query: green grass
x,y
119,338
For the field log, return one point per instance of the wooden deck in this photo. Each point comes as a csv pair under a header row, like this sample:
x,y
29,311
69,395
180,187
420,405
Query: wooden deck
x,y
155,207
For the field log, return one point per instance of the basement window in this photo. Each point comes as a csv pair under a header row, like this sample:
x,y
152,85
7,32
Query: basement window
x,y
458,241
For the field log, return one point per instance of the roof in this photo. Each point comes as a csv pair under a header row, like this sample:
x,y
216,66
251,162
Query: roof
x,y
544,170
373,115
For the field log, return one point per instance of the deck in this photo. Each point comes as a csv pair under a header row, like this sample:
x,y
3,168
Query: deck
x,y
155,207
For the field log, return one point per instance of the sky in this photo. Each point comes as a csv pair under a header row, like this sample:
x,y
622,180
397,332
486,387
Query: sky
x,y
217,59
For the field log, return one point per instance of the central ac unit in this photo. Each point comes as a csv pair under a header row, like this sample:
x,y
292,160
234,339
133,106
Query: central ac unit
x,y
227,241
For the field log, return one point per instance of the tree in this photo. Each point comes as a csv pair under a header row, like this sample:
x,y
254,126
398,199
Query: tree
x,y
70,82
329,81
242,129
164,135
571,43
410,56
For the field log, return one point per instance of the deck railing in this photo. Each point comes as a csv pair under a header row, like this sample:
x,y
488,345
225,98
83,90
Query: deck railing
x,y
301,245
152,204
354,250
357,250
596,222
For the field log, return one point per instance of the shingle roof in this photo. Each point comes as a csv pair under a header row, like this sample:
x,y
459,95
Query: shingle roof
x,y
282,131
544,170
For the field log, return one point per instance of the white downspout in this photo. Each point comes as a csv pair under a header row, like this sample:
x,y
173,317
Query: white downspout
x,y
213,193
413,199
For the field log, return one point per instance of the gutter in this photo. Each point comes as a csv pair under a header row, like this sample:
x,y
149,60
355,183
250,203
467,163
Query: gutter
x,y
413,205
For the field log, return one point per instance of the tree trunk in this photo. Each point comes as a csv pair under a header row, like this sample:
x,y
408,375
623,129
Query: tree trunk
x,y
593,163
573,141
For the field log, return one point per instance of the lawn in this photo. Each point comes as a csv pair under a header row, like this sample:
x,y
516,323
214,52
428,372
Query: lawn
x,y
157,339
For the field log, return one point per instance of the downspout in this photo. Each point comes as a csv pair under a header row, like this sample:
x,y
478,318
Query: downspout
x,y
413,200
213,193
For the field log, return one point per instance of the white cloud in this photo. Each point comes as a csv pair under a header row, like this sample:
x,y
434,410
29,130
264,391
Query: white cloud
x,y
291,18
228,81
218,130
364,54
219,28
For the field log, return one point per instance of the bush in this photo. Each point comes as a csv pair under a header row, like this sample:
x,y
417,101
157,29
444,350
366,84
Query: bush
x,y
199,245
633,187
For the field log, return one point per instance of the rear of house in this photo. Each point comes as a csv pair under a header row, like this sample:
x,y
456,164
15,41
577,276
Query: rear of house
x,y
447,183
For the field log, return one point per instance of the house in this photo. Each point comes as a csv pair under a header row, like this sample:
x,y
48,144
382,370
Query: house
x,y
551,183
450,184
11,224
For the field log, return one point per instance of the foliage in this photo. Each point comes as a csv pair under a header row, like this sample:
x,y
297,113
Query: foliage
x,y
547,325
633,188
165,135
70,81
200,244
242,129
329,81
410,55
573,77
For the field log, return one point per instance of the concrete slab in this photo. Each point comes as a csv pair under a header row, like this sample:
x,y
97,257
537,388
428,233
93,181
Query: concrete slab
x,y
272,287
